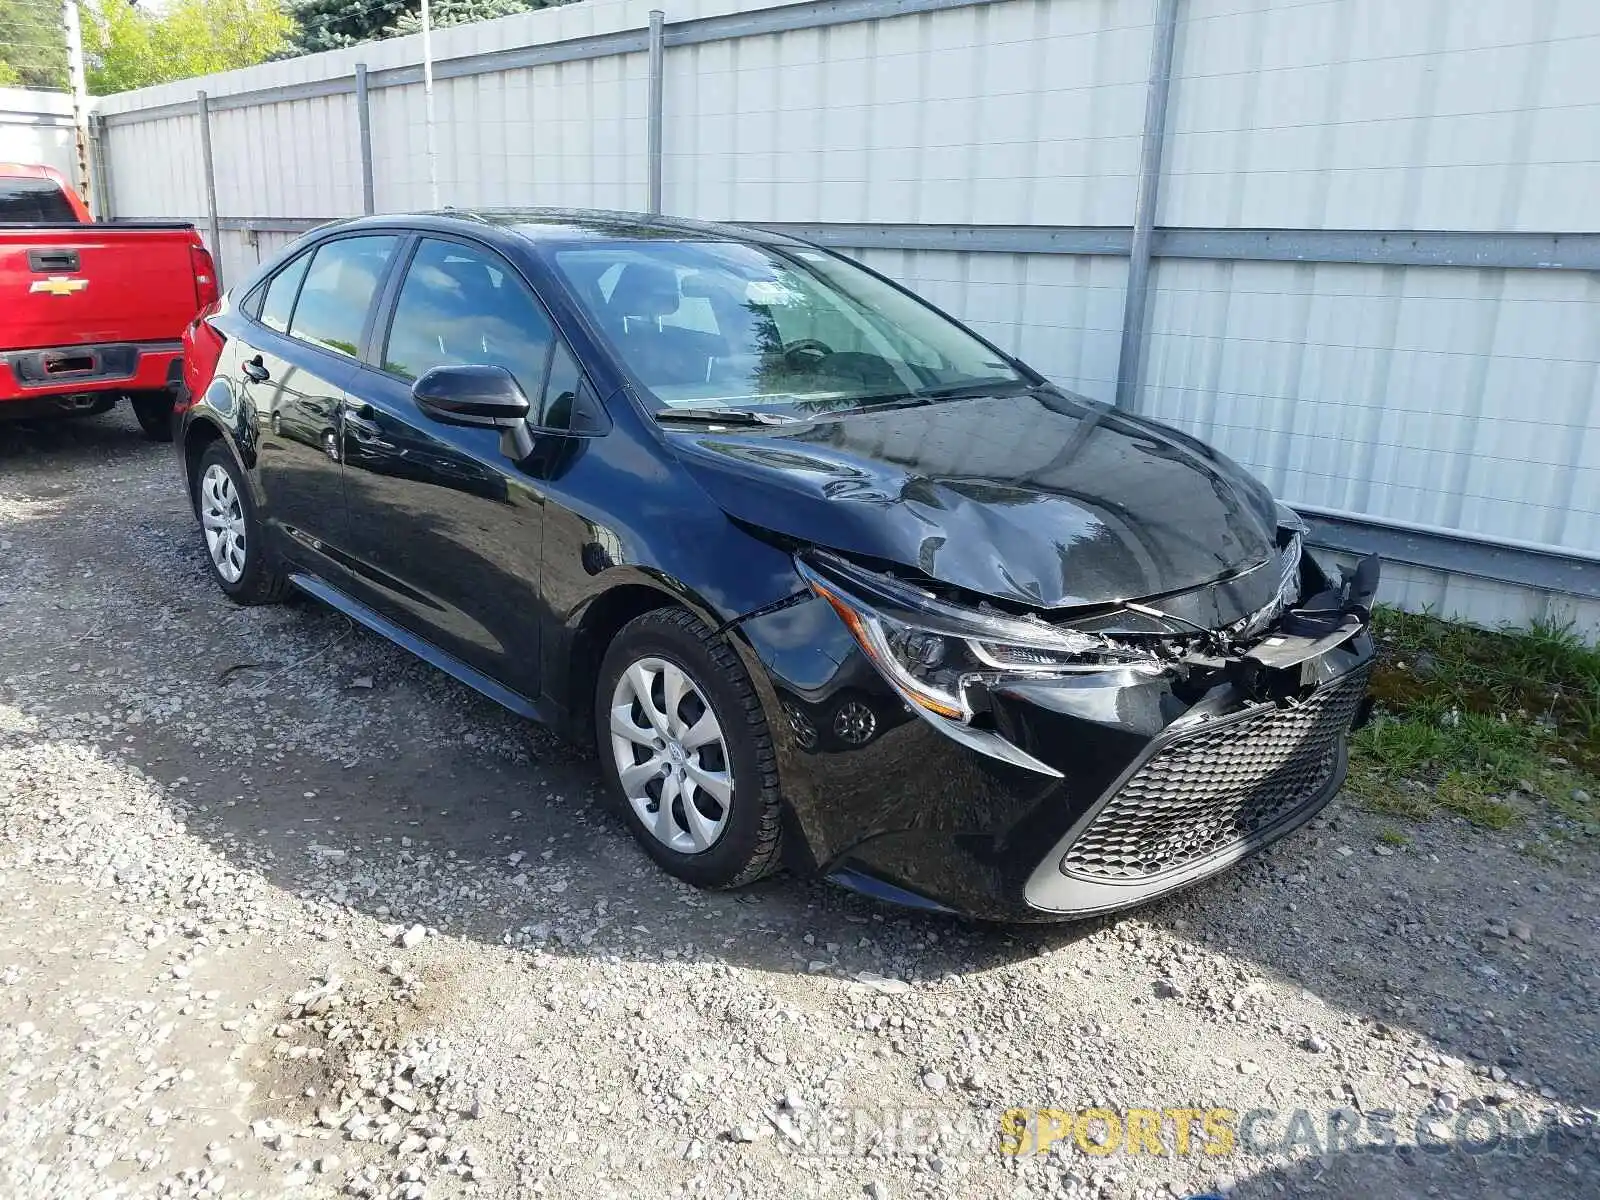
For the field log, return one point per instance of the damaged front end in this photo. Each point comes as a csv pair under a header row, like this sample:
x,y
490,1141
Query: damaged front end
x,y
1110,754
954,664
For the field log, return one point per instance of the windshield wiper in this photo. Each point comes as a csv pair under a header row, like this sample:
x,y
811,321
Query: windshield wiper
x,y
950,391
974,387
724,416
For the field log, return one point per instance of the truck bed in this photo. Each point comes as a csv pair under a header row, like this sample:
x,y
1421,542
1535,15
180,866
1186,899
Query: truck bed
x,y
71,285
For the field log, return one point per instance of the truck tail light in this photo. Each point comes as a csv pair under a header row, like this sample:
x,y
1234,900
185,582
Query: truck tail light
x,y
205,276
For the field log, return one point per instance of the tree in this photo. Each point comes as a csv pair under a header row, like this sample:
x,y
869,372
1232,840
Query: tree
x,y
332,24
460,12
33,44
127,47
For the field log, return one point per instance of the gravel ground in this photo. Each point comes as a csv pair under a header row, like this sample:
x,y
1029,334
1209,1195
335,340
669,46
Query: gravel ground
x,y
286,913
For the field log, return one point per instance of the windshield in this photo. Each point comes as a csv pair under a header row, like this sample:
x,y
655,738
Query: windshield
x,y
732,325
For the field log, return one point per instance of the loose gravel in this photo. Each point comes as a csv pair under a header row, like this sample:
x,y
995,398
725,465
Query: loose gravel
x,y
286,913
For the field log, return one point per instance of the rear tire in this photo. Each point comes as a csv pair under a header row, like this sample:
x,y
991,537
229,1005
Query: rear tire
x,y
702,749
236,551
154,413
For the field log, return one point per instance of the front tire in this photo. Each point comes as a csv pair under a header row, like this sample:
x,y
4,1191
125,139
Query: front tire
x,y
235,549
685,749
153,410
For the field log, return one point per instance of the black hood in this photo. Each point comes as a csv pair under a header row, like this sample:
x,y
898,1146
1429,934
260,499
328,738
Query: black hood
x,y
1041,498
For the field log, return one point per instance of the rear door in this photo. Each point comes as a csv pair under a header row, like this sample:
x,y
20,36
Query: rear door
x,y
295,359
445,530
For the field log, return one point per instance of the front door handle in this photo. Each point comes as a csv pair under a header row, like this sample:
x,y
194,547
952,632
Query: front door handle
x,y
255,370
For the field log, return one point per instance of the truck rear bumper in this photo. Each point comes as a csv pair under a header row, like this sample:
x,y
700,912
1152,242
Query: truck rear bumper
x,y
59,372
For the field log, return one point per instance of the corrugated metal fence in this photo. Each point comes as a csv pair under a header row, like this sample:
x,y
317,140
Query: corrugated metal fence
x,y
36,127
1362,236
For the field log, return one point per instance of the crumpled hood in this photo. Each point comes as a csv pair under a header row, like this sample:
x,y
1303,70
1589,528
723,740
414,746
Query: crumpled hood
x,y
1041,498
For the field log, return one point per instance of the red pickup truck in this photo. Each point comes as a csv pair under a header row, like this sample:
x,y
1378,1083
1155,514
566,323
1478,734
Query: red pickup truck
x,y
92,312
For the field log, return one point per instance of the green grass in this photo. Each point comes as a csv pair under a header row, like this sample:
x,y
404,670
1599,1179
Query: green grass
x,y
1498,728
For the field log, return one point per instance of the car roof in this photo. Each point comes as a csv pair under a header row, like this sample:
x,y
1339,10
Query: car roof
x,y
569,225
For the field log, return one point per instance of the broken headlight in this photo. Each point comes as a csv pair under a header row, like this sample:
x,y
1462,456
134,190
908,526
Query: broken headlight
x,y
937,655
1292,532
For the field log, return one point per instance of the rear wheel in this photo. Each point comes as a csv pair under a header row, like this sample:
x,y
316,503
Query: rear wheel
x,y
685,749
240,562
154,413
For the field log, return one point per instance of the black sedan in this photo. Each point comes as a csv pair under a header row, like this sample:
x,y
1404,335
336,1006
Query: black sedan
x,y
827,579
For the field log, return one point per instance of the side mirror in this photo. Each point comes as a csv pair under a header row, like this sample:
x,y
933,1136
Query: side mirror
x,y
472,394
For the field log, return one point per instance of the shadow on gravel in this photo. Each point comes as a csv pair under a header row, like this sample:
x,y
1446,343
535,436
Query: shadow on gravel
x,y
68,442
1548,1165
336,766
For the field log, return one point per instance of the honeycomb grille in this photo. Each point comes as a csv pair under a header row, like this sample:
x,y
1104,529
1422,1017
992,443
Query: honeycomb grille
x,y
1208,790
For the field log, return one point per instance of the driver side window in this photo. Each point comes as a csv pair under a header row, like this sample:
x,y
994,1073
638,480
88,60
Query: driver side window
x,y
462,305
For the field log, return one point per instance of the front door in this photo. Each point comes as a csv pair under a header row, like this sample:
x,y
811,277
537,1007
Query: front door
x,y
445,530
294,366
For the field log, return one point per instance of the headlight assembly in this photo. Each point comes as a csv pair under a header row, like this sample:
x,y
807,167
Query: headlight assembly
x,y
939,655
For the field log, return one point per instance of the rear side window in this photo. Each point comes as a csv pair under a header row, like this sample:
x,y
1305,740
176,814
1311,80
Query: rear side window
x,y
462,305
279,300
40,201
338,291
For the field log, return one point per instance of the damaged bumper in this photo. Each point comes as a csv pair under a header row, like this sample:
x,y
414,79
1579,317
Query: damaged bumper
x,y
1066,794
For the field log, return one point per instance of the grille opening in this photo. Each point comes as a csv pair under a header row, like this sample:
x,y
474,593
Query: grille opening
x,y
1211,789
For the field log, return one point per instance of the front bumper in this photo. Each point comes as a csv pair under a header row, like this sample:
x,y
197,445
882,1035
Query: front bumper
x,y
1162,783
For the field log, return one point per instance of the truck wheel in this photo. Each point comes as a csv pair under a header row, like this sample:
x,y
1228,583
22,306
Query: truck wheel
x,y
241,563
154,411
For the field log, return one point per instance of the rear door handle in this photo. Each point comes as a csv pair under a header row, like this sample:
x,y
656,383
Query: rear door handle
x,y
255,370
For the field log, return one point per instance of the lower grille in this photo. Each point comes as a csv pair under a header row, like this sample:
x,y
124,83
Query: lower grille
x,y
1205,791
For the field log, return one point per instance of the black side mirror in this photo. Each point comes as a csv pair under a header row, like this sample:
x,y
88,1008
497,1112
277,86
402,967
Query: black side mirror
x,y
472,394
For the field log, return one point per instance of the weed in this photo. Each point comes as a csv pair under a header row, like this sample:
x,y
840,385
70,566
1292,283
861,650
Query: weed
x,y
1480,724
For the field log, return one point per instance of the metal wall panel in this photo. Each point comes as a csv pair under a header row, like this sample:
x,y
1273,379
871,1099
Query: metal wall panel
x,y
36,127
325,179
1011,113
156,170
1385,114
1457,398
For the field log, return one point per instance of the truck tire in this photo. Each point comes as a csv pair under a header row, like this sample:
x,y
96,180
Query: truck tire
x,y
154,413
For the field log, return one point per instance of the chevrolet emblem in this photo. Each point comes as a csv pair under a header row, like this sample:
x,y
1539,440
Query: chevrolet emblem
x,y
59,285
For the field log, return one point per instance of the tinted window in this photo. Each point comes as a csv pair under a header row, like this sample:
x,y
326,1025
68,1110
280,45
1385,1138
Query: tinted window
x,y
561,390
461,305
279,300
24,200
338,291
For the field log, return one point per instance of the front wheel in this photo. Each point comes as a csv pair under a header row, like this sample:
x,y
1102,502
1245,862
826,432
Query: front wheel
x,y
685,748
153,410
